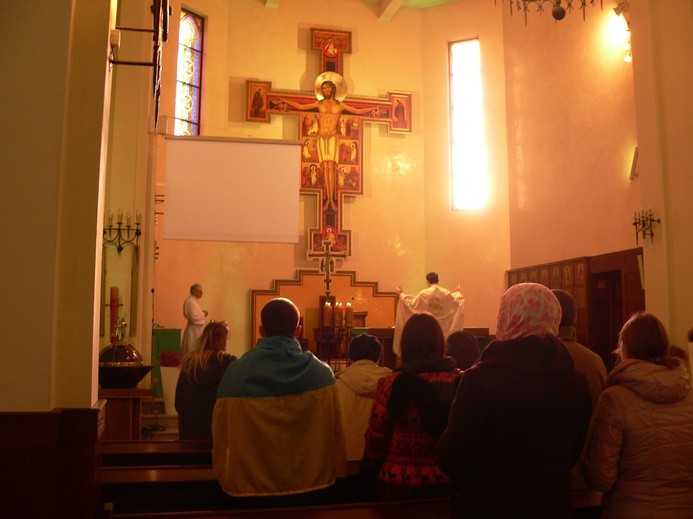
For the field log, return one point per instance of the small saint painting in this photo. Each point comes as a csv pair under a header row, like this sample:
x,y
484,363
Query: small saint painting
x,y
400,110
256,101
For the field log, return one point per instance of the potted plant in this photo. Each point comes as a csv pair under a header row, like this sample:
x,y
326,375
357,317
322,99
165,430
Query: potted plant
x,y
170,369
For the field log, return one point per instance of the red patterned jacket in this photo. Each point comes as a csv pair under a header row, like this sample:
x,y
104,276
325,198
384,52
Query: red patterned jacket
x,y
403,452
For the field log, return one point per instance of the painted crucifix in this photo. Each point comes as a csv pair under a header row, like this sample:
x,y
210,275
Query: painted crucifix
x,y
331,135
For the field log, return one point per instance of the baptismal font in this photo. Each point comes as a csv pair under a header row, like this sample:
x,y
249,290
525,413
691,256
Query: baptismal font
x,y
120,364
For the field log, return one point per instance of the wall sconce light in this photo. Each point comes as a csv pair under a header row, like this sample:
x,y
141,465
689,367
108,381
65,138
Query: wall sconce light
x,y
558,11
623,9
643,222
122,235
628,56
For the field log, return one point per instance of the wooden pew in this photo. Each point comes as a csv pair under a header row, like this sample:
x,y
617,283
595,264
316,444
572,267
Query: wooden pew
x,y
174,479
156,461
423,508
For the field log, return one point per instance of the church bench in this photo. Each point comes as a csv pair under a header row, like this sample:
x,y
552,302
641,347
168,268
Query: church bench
x,y
167,479
424,508
125,462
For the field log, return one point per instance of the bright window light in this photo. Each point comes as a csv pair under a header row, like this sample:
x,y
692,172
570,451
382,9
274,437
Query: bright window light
x,y
470,183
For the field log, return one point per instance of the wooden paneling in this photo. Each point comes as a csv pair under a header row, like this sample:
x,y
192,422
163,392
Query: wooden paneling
x,y
607,289
123,413
49,463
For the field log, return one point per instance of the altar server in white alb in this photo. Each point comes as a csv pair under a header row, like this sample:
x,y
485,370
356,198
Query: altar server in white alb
x,y
446,306
196,318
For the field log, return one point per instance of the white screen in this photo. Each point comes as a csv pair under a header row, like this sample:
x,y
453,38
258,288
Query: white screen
x,y
231,190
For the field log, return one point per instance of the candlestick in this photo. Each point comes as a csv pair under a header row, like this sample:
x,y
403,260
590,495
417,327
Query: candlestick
x,y
115,303
122,235
327,314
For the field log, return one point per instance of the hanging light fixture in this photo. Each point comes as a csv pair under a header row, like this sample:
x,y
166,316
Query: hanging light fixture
x,y
558,7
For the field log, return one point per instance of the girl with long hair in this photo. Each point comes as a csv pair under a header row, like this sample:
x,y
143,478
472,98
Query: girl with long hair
x,y
200,373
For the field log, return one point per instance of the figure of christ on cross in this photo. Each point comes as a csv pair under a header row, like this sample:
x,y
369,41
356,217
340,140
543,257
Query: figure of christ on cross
x,y
330,105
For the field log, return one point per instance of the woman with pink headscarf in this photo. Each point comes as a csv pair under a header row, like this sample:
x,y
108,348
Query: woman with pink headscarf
x,y
520,416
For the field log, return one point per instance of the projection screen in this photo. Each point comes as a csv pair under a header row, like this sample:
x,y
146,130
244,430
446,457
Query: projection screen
x,y
231,190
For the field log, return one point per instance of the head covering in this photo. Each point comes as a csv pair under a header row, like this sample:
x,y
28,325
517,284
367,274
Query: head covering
x,y
528,309
365,346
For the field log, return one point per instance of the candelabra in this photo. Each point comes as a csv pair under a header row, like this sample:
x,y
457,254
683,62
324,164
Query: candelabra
x,y
337,321
121,235
557,10
643,222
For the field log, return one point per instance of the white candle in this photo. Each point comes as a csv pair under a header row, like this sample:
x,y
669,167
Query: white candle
x,y
338,315
349,315
327,314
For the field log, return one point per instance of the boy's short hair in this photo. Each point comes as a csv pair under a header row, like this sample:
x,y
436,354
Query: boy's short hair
x,y
365,346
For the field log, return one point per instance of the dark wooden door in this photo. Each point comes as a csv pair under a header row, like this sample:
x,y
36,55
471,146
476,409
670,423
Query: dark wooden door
x,y
615,293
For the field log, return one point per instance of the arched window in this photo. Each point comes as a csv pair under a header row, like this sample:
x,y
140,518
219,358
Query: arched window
x,y
189,75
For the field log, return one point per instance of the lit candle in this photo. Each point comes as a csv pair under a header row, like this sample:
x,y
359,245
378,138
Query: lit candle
x,y
327,314
120,216
349,315
127,219
110,218
138,218
338,315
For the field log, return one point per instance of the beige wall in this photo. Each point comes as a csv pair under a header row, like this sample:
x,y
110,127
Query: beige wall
x,y
663,50
470,247
55,115
571,135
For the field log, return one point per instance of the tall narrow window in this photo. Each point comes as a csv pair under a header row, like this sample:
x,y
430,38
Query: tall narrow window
x,y
189,76
470,184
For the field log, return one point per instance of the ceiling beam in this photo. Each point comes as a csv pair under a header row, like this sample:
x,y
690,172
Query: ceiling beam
x,y
388,8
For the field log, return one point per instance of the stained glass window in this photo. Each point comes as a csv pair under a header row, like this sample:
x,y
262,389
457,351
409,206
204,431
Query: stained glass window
x,y
189,75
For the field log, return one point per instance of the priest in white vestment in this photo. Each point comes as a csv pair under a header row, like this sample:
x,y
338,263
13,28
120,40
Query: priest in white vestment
x,y
447,307
196,317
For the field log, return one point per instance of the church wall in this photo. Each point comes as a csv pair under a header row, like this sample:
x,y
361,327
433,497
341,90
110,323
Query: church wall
x,y
387,221
571,135
31,255
466,247
662,47
52,185
129,184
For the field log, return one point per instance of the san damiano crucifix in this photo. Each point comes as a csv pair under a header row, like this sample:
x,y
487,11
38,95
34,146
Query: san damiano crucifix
x,y
331,135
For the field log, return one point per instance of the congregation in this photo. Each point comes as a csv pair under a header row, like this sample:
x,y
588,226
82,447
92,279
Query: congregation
x,y
510,430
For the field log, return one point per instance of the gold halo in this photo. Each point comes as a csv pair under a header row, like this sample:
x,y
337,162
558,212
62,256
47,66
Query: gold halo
x,y
335,78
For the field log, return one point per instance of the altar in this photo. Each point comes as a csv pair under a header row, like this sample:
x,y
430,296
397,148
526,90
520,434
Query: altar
x,y
371,309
